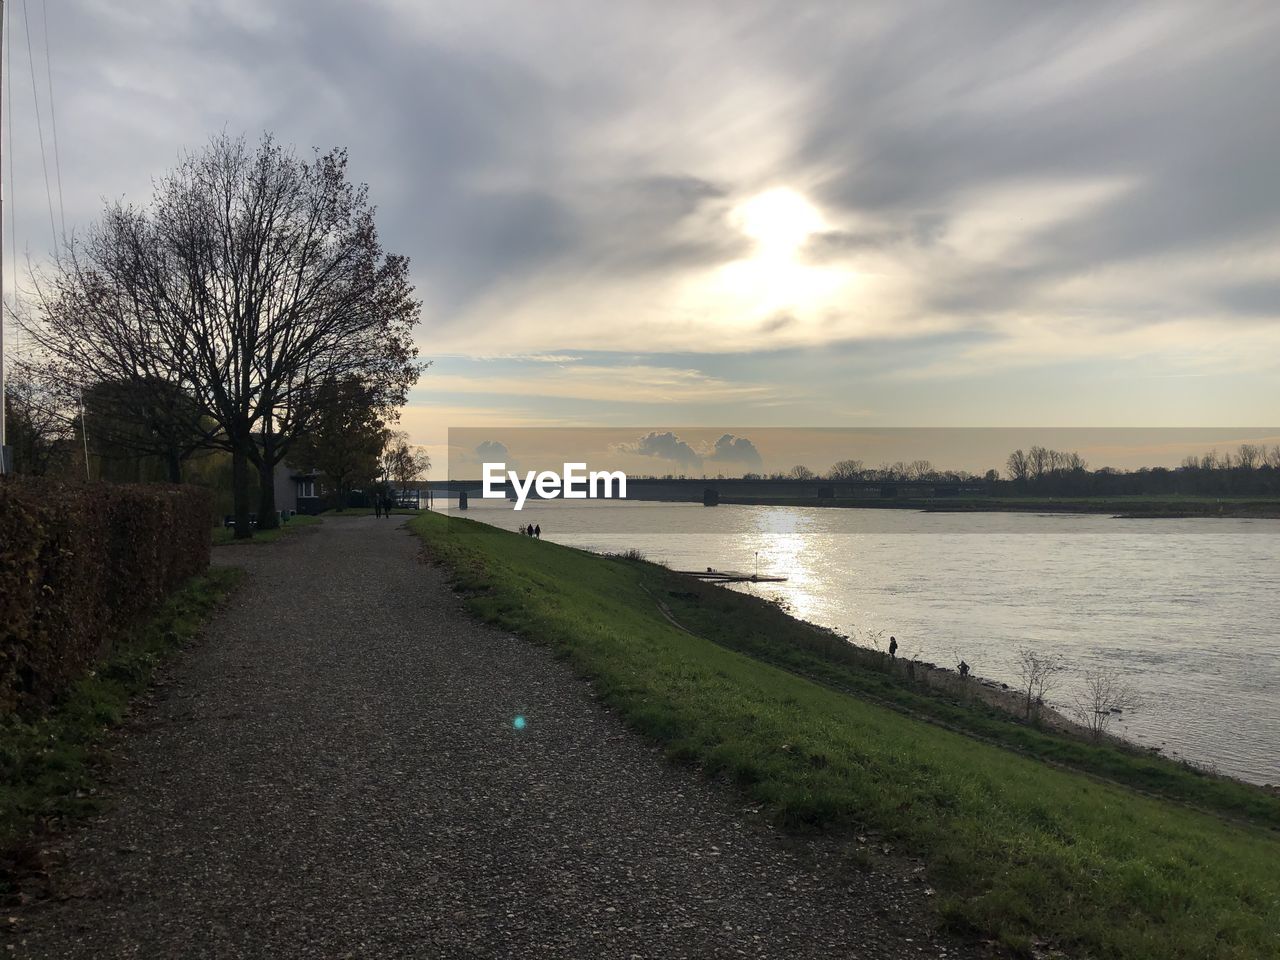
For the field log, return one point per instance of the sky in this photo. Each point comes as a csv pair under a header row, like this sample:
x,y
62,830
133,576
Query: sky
x,y
794,214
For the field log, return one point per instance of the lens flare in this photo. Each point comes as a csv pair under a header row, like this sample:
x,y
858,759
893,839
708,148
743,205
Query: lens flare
x,y
518,723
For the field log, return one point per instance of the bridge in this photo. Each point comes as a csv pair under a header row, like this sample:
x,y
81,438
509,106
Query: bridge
x,y
713,490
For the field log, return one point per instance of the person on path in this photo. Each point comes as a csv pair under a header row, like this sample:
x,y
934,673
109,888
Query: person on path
x,y
893,646
377,506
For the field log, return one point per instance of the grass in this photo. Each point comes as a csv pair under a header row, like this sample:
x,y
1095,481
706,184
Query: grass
x,y
758,628
48,764
225,536
368,512
1016,848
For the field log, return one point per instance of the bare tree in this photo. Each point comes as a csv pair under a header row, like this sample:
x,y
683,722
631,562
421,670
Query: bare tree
x,y
801,472
402,462
845,470
38,429
920,470
1017,465
1038,674
1038,462
1103,694
252,279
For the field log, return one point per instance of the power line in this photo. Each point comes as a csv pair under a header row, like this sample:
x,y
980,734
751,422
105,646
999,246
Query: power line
x,y
35,96
53,116
13,179
4,393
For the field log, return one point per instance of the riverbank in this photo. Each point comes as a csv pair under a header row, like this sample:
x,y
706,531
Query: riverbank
x,y
1124,507
335,771
1026,834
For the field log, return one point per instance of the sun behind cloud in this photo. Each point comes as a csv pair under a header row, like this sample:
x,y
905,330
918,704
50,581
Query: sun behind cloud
x,y
775,285
779,220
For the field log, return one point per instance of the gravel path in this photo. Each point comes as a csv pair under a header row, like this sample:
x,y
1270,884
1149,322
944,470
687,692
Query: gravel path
x,y
333,772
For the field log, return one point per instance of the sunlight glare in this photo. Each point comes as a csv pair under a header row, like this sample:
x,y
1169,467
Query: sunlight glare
x,y
779,220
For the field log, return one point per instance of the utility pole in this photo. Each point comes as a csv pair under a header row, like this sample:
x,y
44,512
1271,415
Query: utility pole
x,y
4,443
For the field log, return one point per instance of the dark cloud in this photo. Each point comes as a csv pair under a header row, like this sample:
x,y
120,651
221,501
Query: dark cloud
x,y
1174,101
778,322
1260,299
570,146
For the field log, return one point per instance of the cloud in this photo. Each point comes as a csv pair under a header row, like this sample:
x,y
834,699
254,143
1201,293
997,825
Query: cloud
x,y
492,451
737,451
624,381
529,357
1016,177
664,446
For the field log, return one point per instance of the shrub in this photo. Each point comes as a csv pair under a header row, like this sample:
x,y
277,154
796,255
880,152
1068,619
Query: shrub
x,y
78,564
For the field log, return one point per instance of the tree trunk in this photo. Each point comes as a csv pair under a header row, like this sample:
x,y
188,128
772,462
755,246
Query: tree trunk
x,y
175,466
268,517
240,493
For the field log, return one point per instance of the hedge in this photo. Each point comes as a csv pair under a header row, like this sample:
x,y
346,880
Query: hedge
x,y
79,563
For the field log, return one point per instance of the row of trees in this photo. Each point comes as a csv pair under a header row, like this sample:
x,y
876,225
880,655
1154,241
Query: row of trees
x,y
1252,469
249,306
852,470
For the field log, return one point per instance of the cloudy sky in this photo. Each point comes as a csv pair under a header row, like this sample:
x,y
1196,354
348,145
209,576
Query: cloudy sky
x,y
821,214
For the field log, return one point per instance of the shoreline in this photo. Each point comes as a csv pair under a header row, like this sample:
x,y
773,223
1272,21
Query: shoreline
x,y
1005,698
1136,509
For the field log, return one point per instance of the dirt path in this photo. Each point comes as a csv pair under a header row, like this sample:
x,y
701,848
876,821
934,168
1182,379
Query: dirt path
x,y
333,772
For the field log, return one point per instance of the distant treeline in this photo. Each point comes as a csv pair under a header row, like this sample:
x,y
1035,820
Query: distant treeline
x,y
1251,470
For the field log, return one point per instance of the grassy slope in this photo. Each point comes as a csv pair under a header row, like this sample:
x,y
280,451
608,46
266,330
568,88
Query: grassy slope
x,y
1017,849
47,765
761,630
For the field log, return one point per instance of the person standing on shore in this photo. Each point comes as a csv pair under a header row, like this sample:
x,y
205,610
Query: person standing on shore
x,y
893,646
537,530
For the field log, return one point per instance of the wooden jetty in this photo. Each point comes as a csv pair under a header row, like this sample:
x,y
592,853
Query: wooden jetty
x,y
713,575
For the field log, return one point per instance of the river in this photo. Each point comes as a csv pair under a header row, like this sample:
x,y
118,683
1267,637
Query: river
x,y
1187,610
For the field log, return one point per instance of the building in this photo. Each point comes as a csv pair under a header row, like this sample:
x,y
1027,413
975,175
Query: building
x,y
298,490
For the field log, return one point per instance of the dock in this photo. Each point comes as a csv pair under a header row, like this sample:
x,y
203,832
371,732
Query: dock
x,y
713,575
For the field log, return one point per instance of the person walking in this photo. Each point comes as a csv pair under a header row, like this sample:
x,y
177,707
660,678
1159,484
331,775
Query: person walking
x,y
537,530
893,646
377,505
